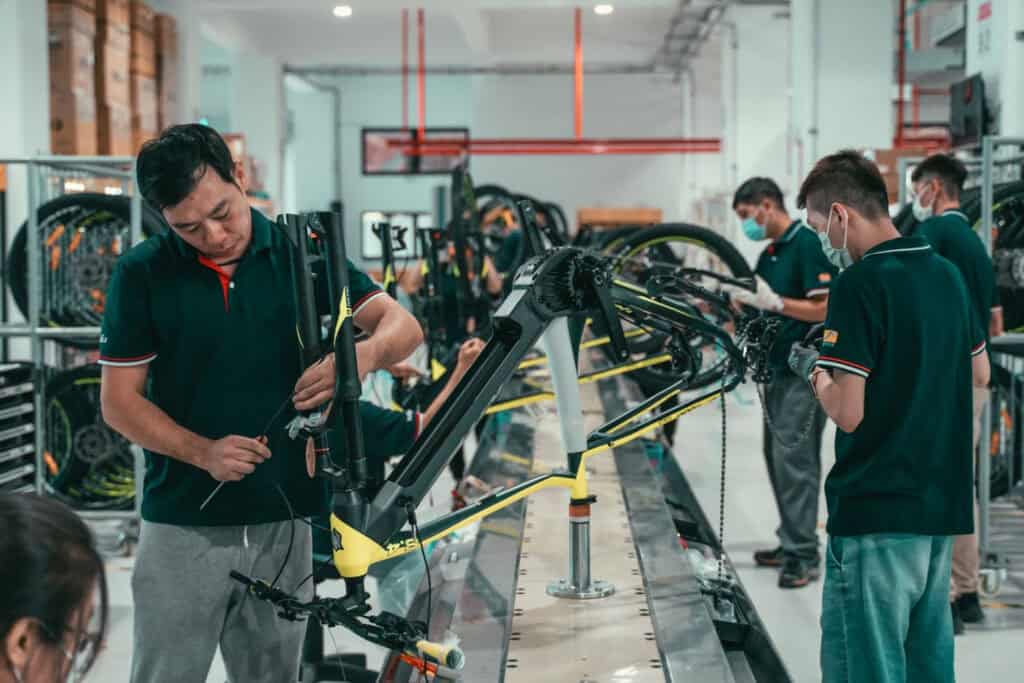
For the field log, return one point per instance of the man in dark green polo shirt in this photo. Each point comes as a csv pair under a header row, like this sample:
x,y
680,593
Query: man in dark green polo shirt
x,y
938,181
793,279
199,351
900,353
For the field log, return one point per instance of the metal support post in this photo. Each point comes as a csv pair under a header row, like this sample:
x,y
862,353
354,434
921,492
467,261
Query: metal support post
x,y
985,459
562,361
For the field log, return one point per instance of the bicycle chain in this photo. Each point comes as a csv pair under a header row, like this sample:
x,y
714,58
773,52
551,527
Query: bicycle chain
x,y
804,433
721,495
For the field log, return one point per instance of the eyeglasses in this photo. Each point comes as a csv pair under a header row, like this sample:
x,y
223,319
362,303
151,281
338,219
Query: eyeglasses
x,y
81,656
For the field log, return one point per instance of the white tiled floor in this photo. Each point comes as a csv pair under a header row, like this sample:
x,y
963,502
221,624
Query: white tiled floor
x,y
791,616
751,518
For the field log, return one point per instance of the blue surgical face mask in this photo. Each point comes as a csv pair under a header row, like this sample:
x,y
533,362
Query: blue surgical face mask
x,y
840,258
754,230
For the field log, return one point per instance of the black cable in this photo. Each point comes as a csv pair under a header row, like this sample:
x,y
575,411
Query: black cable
x,y
411,511
291,537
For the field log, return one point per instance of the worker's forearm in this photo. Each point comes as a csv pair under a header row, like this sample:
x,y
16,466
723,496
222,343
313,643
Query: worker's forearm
x,y
829,396
805,310
394,339
141,422
439,400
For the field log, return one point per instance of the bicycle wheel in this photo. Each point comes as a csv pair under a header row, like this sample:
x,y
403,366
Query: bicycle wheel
x,y
1005,450
700,257
87,464
82,235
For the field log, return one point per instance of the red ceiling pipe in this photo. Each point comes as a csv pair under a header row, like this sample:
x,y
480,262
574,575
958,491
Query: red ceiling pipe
x,y
421,76
405,69
916,96
578,74
901,66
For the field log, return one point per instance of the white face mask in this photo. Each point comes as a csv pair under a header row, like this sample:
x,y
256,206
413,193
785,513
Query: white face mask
x,y
840,258
922,212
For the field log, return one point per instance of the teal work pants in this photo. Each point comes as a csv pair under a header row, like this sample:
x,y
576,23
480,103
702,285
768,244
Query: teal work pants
x,y
885,610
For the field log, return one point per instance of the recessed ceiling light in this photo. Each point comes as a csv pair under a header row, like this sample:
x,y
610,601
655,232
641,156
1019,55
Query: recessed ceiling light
x,y
603,10
342,11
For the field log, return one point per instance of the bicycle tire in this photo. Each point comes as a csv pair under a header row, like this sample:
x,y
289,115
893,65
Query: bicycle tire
x,y
732,261
74,215
1007,392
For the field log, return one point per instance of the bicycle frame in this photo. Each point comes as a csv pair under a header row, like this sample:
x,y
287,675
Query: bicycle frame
x,y
366,524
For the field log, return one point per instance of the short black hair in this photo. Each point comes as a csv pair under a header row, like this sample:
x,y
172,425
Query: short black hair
x,y
756,190
949,170
170,166
849,178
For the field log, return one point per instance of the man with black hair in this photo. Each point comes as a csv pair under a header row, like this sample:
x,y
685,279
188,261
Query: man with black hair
x,y
793,279
199,350
900,354
938,181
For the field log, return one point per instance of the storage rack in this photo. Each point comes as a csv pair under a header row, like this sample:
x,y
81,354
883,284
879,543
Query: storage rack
x,y
994,558
45,179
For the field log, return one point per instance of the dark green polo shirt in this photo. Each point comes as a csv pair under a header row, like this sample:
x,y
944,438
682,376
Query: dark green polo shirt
x,y
901,318
223,355
795,267
952,237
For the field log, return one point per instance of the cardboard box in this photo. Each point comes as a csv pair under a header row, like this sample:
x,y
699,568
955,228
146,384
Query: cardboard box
x,y
114,35
143,54
114,129
167,109
115,13
141,137
112,84
143,18
72,123
87,5
66,14
72,63
166,29
144,100
888,162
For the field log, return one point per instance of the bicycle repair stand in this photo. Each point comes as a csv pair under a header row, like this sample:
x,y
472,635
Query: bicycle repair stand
x,y
562,361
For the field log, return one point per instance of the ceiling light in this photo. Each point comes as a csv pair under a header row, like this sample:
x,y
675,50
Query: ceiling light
x,y
343,11
603,10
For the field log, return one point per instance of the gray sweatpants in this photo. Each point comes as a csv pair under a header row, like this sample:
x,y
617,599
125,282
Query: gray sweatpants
x,y
794,463
186,604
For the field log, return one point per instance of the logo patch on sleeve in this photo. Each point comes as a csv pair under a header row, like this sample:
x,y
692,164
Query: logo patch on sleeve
x,y
824,277
831,337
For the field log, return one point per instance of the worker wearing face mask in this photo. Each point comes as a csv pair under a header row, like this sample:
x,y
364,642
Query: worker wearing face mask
x,y
793,279
937,184
900,351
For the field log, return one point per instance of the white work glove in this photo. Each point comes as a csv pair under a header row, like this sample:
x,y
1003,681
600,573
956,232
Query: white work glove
x,y
763,298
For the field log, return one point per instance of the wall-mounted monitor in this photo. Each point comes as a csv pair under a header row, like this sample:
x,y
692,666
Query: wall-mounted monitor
x,y
967,122
400,151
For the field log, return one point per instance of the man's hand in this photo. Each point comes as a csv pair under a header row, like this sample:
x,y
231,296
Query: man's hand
x,y
764,297
234,457
468,352
802,359
403,371
316,385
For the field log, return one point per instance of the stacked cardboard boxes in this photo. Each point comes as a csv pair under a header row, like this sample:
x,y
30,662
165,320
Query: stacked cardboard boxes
x,y
71,35
113,92
167,69
142,76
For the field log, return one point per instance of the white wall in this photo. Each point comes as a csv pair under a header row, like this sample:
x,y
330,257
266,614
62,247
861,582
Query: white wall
x,y
259,113
614,106
994,51
309,179
842,67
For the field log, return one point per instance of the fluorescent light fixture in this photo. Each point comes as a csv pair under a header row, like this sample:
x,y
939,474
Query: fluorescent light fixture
x,y
343,11
603,10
